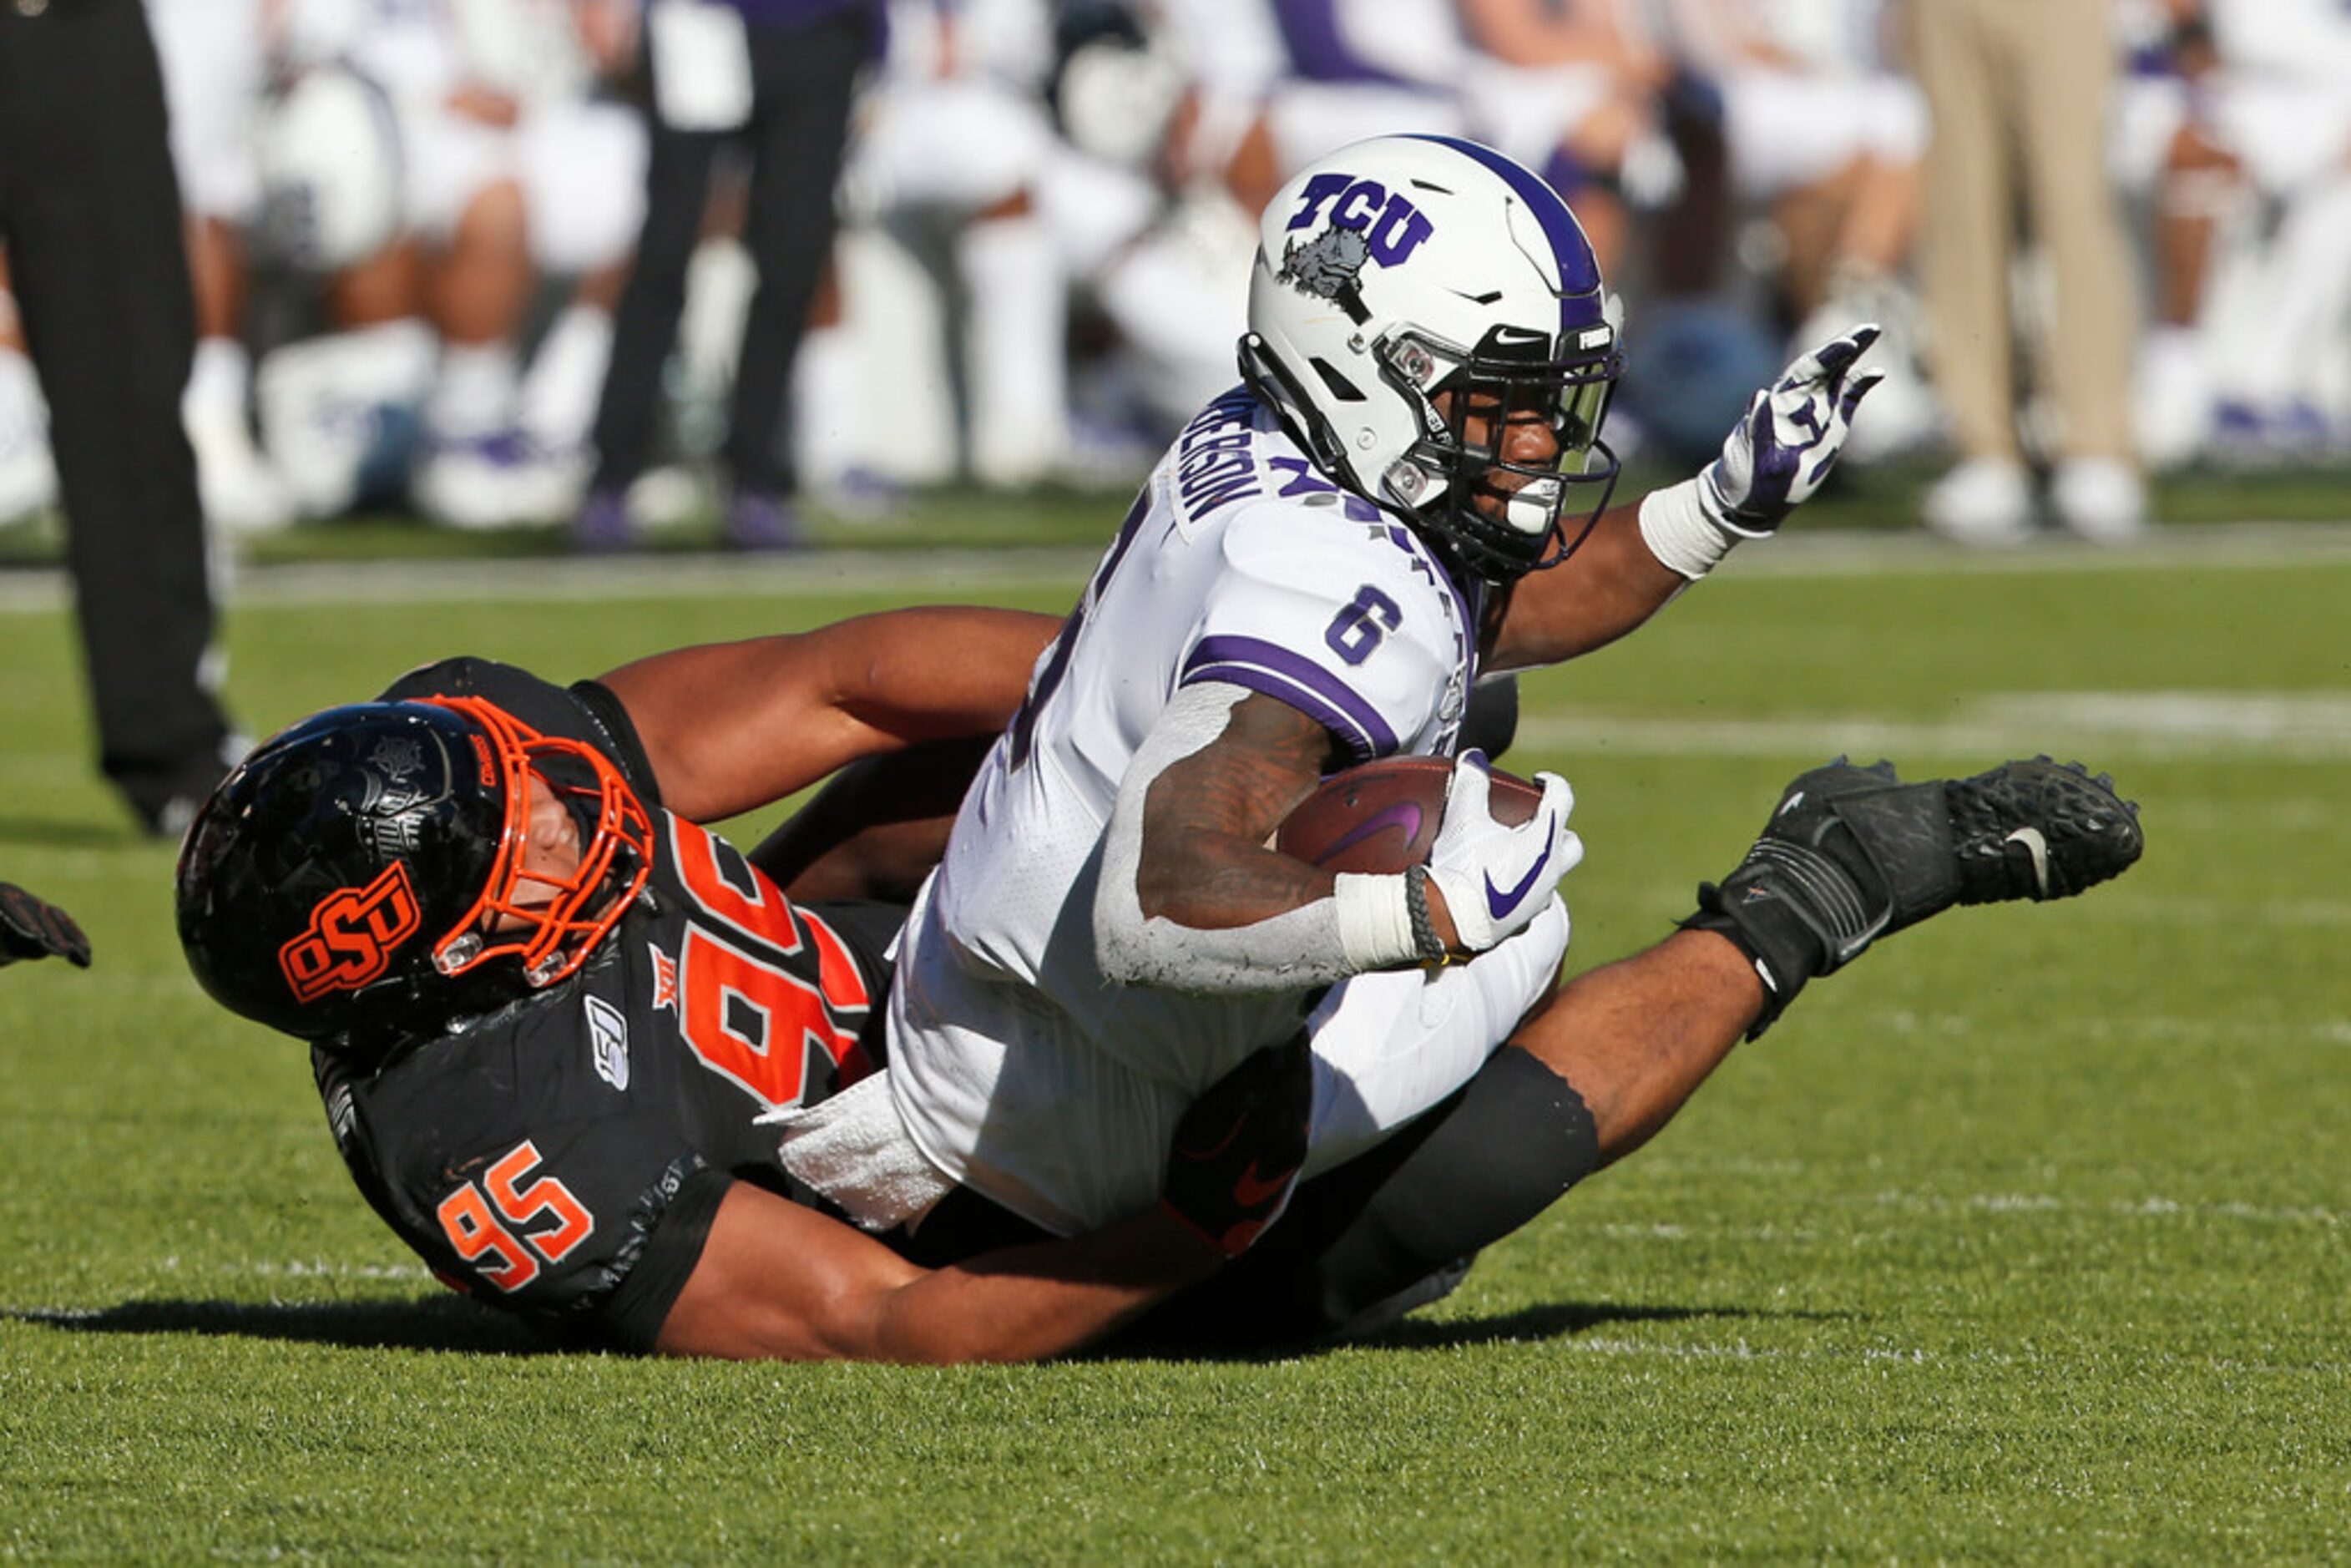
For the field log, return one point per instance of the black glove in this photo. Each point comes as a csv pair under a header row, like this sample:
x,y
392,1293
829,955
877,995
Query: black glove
x,y
1236,1152
31,928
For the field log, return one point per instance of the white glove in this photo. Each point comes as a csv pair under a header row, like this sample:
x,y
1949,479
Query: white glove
x,y
1495,878
1777,454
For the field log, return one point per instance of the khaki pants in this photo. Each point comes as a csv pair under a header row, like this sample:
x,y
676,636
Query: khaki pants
x,y
2019,91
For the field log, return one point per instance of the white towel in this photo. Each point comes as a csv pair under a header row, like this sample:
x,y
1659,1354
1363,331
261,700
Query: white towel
x,y
853,1149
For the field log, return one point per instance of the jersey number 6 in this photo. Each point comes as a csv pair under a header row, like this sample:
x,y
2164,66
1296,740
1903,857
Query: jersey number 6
x,y
1360,626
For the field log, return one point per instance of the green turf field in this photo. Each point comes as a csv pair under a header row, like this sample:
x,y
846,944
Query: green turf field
x,y
2023,1240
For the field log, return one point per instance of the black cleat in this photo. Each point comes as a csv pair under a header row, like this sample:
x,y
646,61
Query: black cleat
x,y
2040,829
1851,854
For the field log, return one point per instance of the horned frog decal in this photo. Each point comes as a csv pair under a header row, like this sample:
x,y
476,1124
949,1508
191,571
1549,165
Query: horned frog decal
x,y
1330,266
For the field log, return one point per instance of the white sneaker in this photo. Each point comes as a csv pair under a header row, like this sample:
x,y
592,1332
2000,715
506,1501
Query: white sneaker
x,y
334,407
2171,399
241,493
2101,499
1983,501
495,482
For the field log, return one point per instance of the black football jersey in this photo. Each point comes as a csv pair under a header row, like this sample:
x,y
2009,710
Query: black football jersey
x,y
562,1157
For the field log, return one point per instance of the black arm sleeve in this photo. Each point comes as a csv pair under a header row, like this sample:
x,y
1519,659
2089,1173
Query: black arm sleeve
x,y
585,711
632,1316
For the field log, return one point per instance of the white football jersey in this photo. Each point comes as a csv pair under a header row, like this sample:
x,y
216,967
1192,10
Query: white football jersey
x,y
1017,1066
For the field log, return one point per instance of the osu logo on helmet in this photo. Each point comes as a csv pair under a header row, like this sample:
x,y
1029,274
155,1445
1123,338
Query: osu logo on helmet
x,y
351,935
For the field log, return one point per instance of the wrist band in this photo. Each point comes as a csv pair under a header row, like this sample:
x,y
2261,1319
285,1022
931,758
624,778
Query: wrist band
x,y
1423,929
1679,533
1376,921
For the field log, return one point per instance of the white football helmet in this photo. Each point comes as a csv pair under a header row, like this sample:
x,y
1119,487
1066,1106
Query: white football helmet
x,y
1403,266
331,170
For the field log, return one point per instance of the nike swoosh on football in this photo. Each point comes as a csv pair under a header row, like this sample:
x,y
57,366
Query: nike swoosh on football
x,y
1250,1190
2035,844
1403,817
1498,903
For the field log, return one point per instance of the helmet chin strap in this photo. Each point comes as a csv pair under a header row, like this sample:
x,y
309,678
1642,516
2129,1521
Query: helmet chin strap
x,y
1272,381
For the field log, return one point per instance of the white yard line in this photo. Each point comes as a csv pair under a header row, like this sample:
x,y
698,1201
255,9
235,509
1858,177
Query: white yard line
x,y
1838,553
2152,1207
2209,726
2243,546
941,574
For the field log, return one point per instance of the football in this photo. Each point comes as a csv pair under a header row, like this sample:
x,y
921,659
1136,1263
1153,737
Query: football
x,y
1381,817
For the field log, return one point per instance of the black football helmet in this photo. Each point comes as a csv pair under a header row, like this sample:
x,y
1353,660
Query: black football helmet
x,y
364,872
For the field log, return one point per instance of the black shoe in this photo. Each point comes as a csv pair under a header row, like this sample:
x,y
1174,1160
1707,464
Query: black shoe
x,y
166,800
602,527
1852,854
763,524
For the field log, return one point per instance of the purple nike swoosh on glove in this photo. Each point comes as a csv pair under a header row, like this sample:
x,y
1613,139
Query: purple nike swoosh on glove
x,y
1499,904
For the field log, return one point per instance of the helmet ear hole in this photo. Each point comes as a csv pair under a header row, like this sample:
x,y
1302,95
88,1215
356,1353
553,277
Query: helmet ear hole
x,y
1340,387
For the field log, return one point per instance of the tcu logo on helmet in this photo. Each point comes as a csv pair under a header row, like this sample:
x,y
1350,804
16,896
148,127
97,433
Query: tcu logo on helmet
x,y
1392,226
352,933
1367,224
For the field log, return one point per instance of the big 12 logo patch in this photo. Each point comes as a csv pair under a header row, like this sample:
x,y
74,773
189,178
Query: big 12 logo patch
x,y
351,935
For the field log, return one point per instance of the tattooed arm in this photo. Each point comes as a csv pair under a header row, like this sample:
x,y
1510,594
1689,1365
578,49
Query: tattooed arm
x,y
1192,899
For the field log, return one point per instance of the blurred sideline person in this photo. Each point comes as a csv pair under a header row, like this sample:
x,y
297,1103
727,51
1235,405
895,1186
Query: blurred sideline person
x,y
951,150
2244,134
33,927
1824,137
774,78
90,218
441,161
2019,90
215,55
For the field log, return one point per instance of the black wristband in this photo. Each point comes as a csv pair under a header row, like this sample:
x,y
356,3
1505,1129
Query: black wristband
x,y
1423,929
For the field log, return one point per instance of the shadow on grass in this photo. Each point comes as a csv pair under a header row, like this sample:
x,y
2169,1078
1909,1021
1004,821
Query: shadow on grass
x,y
427,1323
1559,1320
451,1324
1563,1320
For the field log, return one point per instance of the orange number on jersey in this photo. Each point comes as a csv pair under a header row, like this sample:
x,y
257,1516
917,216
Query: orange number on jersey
x,y
762,912
476,1234
465,1220
750,1020
780,1018
574,1224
